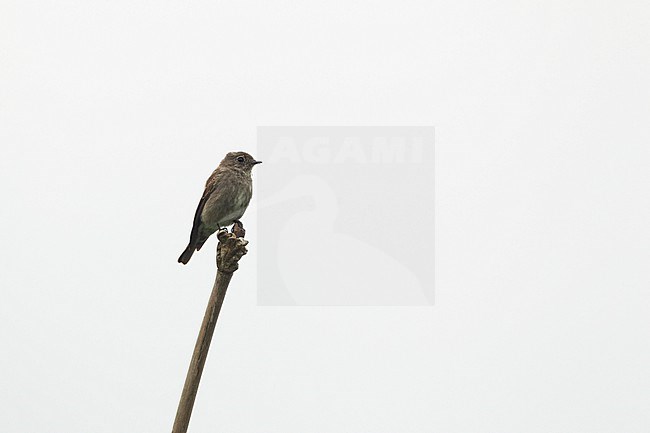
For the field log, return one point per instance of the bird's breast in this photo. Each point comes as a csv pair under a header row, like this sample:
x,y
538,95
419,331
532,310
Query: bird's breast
x,y
226,205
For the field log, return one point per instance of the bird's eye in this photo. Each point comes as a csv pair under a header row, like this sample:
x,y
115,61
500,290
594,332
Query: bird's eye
x,y
240,158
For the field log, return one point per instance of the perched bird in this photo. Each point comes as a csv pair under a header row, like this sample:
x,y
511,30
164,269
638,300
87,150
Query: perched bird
x,y
227,193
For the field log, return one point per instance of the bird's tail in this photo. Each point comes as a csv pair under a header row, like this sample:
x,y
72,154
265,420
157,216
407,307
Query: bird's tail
x,y
187,254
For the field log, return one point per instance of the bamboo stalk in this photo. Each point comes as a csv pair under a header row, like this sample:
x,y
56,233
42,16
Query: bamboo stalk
x,y
230,249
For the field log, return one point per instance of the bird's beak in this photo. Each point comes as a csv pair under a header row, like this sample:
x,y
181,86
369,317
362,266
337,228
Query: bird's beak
x,y
257,162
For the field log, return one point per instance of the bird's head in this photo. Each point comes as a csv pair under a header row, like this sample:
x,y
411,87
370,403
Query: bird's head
x,y
240,161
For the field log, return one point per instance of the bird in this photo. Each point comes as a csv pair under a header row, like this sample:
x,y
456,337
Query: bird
x,y
227,193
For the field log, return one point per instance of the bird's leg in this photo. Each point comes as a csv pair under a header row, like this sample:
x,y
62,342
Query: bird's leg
x,y
221,228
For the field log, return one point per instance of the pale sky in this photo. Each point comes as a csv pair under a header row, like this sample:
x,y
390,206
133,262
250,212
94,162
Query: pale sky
x,y
113,114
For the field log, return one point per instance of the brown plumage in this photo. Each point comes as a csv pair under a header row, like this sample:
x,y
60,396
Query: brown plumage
x,y
226,196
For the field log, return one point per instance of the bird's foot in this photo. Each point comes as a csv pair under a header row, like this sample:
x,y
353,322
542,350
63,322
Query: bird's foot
x,y
238,229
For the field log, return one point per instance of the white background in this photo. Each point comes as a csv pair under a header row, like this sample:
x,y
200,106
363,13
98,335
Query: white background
x,y
113,114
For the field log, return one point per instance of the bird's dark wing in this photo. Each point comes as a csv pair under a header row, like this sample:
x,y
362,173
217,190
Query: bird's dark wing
x,y
210,186
194,236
